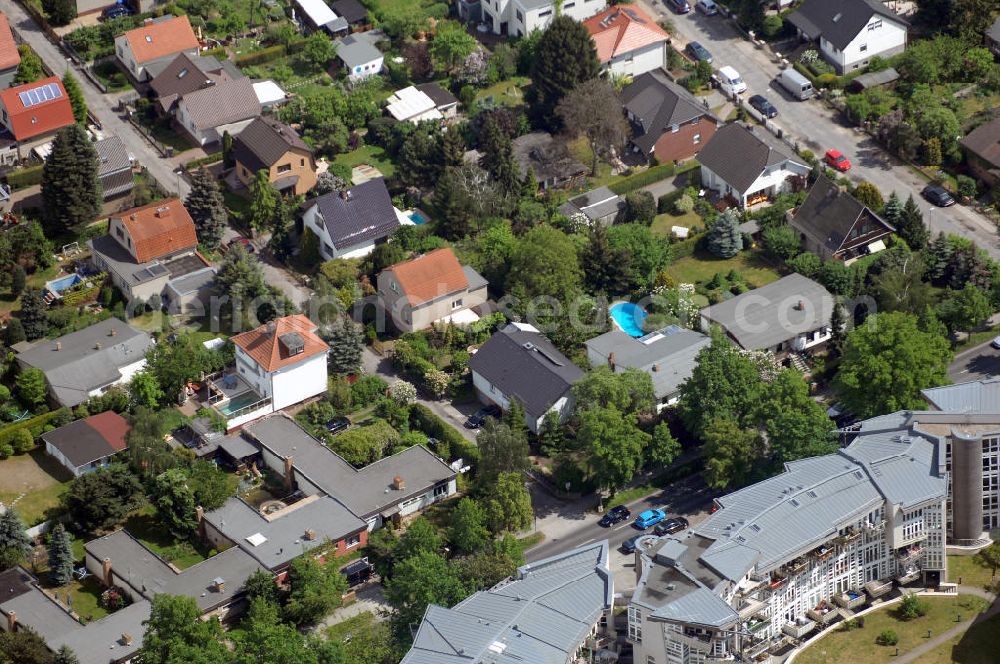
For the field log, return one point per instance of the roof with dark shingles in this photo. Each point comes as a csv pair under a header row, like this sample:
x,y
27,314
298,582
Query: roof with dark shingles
x,y
364,213
525,365
441,97
90,439
351,11
657,103
839,21
264,141
984,142
229,101
828,215
739,155
184,75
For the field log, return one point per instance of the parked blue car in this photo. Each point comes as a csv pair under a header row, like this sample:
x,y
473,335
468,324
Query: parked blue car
x,y
649,518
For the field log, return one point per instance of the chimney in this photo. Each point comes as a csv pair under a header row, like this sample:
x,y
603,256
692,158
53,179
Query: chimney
x,y
199,515
346,194
288,472
398,483
113,332
97,346
11,621
219,584
271,328
126,639
611,360
58,345
106,572
656,367
801,305
309,535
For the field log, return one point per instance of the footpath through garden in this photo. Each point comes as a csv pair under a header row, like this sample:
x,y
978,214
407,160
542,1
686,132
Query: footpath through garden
x,y
959,628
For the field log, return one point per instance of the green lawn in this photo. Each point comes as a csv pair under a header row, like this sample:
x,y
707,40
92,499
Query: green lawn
x,y
663,222
979,644
145,527
36,475
969,570
505,93
368,154
84,596
859,645
756,270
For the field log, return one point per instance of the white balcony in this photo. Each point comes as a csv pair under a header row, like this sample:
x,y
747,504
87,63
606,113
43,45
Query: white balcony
x,y
878,588
824,613
852,599
799,628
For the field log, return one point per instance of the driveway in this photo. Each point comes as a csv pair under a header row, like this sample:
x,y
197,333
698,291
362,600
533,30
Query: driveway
x,y
100,105
817,127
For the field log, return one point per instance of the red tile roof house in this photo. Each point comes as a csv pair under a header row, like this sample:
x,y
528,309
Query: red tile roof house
x,y
628,41
88,444
156,42
278,364
32,114
10,59
153,251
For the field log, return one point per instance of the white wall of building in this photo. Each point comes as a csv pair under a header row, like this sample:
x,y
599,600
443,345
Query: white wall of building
x,y
881,36
296,383
639,61
522,19
775,177
492,393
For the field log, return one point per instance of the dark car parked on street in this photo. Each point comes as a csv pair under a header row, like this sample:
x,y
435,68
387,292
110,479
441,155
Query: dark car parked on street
x,y
116,11
679,6
698,52
671,526
763,106
939,196
477,419
615,515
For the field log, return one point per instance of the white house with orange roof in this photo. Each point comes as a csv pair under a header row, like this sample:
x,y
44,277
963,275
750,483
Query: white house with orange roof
x,y
628,41
148,49
278,364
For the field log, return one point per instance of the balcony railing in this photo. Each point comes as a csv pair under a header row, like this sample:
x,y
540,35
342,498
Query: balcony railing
x,y
852,599
750,607
777,581
824,613
909,554
796,566
798,628
850,538
822,553
908,575
878,588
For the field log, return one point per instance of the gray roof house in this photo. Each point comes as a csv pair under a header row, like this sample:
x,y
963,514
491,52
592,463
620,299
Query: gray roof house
x,y
517,362
208,113
542,615
185,74
668,356
850,32
115,170
666,118
600,206
748,165
836,225
791,314
83,364
349,223
359,55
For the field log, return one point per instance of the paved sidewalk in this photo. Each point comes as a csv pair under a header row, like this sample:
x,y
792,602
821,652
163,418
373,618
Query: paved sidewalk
x,y
959,629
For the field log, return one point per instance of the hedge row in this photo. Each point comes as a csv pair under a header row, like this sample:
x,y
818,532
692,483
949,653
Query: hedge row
x,y
81,296
266,54
686,247
25,177
36,425
647,177
201,161
423,419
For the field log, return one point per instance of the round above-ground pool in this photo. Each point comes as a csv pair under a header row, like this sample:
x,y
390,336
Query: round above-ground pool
x,y
629,317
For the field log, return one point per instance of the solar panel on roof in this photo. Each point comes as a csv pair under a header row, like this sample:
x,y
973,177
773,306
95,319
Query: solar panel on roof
x,y
36,96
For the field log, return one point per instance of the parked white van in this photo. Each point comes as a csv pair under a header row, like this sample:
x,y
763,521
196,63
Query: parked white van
x,y
796,84
731,82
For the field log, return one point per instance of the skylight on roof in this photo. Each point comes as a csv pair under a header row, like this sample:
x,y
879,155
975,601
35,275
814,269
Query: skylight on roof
x,y
149,39
498,647
837,17
256,539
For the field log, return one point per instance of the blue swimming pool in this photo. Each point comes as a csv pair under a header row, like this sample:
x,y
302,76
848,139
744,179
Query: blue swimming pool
x,y
629,317
417,217
57,286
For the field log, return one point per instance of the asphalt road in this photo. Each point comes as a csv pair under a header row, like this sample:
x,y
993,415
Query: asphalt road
x,y
98,103
817,127
979,362
689,498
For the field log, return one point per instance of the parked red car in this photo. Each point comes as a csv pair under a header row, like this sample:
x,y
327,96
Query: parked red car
x,y
836,160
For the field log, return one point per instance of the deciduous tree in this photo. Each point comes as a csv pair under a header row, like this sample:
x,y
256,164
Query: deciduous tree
x,y
174,501
544,262
100,500
887,361
730,453
501,451
426,578
607,267
630,391
724,383
507,504
451,46
593,109
869,195
614,445
176,633
76,99
316,590
264,203
468,530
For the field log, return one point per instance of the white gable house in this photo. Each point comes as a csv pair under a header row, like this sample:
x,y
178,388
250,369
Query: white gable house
x,y
850,32
349,223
